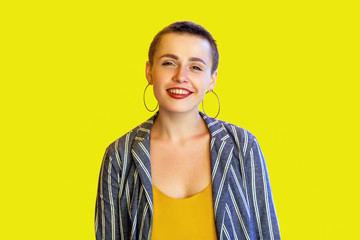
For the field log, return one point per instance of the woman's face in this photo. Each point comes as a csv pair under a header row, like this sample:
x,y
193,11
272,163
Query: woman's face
x,y
181,72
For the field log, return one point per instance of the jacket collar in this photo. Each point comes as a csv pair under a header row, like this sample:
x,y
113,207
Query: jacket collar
x,y
216,128
221,157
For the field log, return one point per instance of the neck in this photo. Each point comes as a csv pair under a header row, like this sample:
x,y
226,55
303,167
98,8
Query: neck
x,y
178,127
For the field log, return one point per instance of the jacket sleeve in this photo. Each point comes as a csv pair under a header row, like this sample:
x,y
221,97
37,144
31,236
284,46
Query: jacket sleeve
x,y
261,202
107,203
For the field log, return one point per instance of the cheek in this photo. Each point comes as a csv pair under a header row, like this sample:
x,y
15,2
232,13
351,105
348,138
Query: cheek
x,y
156,92
160,76
206,82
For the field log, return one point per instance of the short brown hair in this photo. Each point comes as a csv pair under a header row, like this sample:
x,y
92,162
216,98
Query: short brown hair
x,y
189,28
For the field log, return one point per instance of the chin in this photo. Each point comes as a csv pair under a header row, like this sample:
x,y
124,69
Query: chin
x,y
178,110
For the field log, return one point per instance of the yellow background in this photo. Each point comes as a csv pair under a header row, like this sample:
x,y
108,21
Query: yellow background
x,y
72,77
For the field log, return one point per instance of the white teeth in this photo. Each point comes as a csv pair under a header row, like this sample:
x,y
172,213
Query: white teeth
x,y
179,91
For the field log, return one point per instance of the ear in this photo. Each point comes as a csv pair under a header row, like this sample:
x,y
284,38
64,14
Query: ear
x,y
148,73
213,81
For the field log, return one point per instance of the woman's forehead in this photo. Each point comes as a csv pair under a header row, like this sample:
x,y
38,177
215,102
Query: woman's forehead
x,y
184,44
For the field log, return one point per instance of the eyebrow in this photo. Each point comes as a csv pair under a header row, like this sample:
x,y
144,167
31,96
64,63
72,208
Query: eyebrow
x,y
196,59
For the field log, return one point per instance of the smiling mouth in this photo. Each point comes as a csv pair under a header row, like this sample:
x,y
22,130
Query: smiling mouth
x,y
178,91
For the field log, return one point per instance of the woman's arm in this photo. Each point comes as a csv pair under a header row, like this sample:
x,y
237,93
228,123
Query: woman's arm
x,y
260,195
107,202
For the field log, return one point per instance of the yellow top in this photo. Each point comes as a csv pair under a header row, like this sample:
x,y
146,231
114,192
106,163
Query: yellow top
x,y
188,218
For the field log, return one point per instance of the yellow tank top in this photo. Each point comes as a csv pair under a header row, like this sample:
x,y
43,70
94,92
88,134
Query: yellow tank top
x,y
188,218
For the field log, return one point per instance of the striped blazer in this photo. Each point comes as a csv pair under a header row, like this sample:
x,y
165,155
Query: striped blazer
x,y
242,198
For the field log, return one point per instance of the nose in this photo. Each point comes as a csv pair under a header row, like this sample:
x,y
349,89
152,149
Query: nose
x,y
181,74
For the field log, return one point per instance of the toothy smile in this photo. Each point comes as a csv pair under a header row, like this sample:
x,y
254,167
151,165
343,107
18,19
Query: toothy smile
x,y
178,91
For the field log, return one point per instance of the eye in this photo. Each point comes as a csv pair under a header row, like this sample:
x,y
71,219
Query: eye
x,y
167,64
197,68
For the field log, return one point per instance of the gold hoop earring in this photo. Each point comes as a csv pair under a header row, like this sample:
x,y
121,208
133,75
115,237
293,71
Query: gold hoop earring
x,y
202,103
145,102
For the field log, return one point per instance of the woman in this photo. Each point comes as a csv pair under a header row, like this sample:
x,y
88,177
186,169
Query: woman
x,y
195,177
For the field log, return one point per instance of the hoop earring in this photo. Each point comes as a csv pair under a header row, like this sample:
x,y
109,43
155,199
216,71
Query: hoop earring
x,y
145,102
202,103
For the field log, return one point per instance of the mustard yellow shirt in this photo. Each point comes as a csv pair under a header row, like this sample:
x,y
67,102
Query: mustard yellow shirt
x,y
188,218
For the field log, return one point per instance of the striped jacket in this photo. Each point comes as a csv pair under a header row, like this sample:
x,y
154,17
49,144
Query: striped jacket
x,y
242,198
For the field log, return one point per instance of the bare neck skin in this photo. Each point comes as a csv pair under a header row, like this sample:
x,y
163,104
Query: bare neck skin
x,y
178,127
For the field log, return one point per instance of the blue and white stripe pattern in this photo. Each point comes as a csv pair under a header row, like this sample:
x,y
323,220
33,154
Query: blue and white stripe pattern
x,y
242,198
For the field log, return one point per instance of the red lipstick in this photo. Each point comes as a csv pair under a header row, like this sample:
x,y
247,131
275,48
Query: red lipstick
x,y
178,93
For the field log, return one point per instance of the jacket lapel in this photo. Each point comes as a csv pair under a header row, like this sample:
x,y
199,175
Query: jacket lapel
x,y
141,155
222,148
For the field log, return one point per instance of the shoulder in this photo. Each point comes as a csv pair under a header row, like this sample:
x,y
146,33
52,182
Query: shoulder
x,y
123,141
123,144
237,132
242,138
225,130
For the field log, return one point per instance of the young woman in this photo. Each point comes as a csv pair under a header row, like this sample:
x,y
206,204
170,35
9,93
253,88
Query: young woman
x,y
182,174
